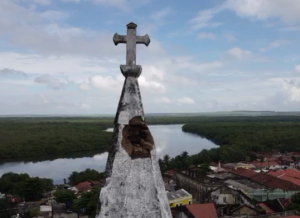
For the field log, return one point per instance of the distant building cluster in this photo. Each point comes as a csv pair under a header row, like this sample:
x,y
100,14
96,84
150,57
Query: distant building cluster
x,y
261,188
47,207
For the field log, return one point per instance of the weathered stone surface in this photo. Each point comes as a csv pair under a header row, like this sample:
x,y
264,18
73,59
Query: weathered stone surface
x,y
137,139
134,187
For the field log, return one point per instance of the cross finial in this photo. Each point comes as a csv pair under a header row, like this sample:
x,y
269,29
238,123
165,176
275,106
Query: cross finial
x,y
131,39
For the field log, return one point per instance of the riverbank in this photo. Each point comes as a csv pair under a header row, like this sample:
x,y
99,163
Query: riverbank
x,y
169,140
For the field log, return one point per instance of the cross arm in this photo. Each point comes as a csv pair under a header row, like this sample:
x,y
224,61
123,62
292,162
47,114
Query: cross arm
x,y
143,40
119,39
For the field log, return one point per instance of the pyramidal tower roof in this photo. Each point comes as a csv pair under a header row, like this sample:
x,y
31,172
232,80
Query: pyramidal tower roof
x,y
134,187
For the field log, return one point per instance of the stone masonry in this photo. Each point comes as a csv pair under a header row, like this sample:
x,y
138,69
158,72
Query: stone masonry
x,y
134,187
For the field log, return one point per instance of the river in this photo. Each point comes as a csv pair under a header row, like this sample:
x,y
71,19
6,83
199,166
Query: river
x,y
169,139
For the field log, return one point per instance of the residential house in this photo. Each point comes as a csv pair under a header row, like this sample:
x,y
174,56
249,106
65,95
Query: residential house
x,y
291,175
95,183
244,165
266,165
83,187
169,182
74,189
245,210
245,185
179,198
274,206
287,161
263,195
27,207
267,180
198,211
226,199
265,208
46,211
276,183
197,187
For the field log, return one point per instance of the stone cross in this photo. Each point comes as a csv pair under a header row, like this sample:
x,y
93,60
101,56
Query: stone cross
x,y
131,39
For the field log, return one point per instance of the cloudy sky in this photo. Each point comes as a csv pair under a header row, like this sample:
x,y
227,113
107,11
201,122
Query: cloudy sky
x,y
57,56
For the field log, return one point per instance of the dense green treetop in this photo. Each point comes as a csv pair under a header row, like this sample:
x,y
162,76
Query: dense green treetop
x,y
89,201
22,185
40,136
86,175
64,196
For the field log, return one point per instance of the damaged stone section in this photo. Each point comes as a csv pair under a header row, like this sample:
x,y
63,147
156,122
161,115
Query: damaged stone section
x,y
137,140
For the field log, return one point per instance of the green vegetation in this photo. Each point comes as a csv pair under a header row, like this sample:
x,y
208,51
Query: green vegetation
x,y
87,175
295,202
88,201
41,136
28,139
64,196
238,139
4,211
23,186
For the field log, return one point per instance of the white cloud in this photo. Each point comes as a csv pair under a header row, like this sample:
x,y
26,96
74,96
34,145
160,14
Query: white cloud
x,y
42,2
275,44
292,88
11,72
85,106
152,85
204,35
230,37
262,10
239,54
297,68
54,15
186,100
44,99
290,29
40,32
204,17
75,1
50,81
84,86
164,100
254,9
158,15
106,82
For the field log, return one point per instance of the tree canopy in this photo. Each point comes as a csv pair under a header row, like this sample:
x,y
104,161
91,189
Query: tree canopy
x,y
24,186
88,201
86,175
64,196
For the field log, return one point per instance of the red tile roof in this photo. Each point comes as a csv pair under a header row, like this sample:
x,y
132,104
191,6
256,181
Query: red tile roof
x,y
275,173
259,164
275,182
294,216
95,182
290,175
266,208
285,202
290,179
83,186
293,173
202,210
170,172
244,172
